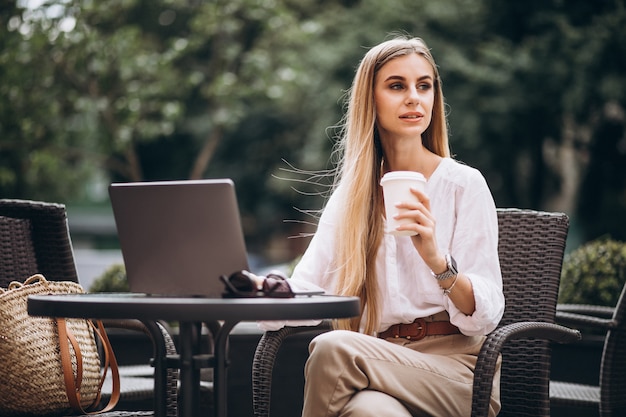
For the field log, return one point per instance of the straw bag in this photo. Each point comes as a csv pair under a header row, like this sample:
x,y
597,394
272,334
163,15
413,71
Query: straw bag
x,y
50,365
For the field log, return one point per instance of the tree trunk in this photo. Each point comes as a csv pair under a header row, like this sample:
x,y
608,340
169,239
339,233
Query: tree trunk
x,y
206,154
569,161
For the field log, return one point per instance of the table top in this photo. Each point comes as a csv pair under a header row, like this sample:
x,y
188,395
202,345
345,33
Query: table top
x,y
176,308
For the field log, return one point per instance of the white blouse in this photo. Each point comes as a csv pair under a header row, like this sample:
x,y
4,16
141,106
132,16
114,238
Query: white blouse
x,y
466,227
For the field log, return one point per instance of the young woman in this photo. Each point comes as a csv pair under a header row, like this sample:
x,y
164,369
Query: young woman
x,y
427,300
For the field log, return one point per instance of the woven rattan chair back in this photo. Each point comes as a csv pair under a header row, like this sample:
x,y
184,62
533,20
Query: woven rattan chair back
x,y
34,239
531,247
613,364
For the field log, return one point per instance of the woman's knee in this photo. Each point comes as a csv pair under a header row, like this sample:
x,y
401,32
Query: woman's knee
x,y
332,351
332,341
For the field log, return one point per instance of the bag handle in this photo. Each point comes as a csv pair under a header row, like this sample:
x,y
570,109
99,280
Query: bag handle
x,y
13,285
73,383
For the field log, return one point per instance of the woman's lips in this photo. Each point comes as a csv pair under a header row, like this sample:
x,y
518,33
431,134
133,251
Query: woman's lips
x,y
411,116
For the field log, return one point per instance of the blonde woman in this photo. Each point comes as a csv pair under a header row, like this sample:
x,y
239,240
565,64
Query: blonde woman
x,y
427,300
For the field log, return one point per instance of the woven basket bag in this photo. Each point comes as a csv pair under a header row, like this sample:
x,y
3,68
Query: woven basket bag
x,y
31,369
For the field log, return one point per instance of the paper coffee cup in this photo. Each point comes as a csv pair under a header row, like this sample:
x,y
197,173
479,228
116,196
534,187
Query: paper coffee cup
x,y
396,189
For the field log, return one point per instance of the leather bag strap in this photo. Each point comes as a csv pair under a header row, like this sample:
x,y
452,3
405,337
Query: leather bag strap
x,y
73,382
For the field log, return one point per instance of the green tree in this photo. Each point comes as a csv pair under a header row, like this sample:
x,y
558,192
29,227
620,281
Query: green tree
x,y
39,157
134,72
567,102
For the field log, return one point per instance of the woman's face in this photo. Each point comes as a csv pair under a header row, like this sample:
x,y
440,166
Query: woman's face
x,y
404,94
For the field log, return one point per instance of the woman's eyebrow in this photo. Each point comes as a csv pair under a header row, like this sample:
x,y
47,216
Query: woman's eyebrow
x,y
401,78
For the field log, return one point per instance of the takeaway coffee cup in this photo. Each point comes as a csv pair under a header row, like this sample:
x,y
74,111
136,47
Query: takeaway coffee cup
x,y
397,188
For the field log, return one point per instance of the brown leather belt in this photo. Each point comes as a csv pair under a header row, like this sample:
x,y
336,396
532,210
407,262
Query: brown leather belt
x,y
419,329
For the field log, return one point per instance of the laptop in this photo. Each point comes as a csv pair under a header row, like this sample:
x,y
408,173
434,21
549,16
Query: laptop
x,y
178,237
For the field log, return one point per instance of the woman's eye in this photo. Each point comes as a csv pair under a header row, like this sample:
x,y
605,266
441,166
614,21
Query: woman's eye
x,y
396,86
425,86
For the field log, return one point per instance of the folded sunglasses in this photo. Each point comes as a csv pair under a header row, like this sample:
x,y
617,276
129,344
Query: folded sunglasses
x,y
242,284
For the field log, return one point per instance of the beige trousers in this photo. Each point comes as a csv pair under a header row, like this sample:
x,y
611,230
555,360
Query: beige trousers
x,y
352,374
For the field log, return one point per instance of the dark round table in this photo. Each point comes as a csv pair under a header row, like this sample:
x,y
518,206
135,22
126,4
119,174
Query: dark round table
x,y
190,313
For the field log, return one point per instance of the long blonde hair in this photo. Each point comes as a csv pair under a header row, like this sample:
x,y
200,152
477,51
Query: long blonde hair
x,y
360,226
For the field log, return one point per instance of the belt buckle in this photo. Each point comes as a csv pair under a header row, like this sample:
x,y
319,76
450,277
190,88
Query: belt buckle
x,y
420,330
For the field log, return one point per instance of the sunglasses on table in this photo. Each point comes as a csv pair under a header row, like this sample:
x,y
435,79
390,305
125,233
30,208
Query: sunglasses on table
x,y
243,284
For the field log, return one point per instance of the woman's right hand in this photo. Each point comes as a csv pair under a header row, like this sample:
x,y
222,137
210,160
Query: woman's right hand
x,y
423,223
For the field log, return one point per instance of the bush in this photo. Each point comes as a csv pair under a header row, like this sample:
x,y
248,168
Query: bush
x,y
112,280
594,273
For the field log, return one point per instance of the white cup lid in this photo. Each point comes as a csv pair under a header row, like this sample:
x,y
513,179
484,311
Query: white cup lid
x,y
402,175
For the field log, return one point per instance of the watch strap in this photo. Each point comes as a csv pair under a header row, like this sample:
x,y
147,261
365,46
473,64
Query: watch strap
x,y
450,272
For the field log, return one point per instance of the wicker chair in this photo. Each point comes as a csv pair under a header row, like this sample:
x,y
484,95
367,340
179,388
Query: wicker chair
x,y
531,247
608,398
34,238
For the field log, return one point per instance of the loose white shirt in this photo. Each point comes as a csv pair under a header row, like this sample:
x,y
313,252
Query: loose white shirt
x,y
466,227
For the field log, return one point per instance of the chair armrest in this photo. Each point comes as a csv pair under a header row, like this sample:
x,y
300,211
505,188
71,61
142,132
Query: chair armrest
x,y
165,379
263,364
586,315
492,347
586,309
572,319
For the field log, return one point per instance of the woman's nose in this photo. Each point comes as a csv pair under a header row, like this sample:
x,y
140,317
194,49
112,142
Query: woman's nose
x,y
412,96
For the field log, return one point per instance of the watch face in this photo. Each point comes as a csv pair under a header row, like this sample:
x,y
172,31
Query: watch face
x,y
452,264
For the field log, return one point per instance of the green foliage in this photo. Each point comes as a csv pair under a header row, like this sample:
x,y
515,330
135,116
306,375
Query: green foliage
x,y
38,157
112,280
594,274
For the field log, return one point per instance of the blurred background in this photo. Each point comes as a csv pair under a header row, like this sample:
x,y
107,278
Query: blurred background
x,y
94,92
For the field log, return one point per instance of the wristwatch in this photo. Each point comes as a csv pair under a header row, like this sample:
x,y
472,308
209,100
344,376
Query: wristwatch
x,y
450,272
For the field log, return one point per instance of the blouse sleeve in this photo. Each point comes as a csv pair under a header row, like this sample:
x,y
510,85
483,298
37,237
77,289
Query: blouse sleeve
x,y
475,249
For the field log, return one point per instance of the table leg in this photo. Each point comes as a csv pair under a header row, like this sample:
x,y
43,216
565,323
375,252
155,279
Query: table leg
x,y
189,397
219,373
160,369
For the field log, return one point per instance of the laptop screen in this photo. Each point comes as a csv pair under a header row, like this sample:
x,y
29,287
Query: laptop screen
x,y
178,237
